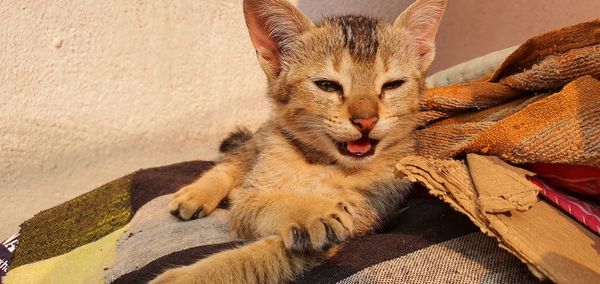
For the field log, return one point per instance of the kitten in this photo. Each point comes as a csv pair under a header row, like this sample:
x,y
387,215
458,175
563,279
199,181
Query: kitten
x,y
345,97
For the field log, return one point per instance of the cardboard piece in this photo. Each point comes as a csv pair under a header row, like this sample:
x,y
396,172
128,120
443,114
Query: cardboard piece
x,y
501,187
500,200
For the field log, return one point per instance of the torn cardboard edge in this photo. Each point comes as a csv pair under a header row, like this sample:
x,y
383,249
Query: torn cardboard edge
x,y
498,198
501,187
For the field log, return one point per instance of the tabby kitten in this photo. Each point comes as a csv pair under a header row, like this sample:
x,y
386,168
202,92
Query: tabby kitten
x,y
345,96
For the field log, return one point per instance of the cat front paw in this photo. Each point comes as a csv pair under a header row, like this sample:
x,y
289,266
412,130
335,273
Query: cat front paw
x,y
326,227
194,201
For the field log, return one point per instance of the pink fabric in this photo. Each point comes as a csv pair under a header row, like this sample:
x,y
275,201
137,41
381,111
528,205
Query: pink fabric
x,y
583,180
587,213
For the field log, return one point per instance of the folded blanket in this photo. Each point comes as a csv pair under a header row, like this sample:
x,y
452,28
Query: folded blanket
x,y
541,105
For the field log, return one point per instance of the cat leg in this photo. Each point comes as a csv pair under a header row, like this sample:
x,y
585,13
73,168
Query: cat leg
x,y
306,222
204,195
299,231
264,261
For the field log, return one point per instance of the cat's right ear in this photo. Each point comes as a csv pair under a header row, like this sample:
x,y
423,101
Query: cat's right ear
x,y
273,26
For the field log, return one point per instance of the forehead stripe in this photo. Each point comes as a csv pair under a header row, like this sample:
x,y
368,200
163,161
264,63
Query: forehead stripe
x,y
359,35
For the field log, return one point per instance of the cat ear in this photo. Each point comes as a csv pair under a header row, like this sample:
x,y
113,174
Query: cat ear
x,y
273,26
422,20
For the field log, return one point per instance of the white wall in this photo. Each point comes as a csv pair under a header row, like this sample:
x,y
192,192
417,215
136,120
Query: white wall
x,y
92,90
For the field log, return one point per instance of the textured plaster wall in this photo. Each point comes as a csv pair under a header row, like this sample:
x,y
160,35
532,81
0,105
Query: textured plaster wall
x,y
92,90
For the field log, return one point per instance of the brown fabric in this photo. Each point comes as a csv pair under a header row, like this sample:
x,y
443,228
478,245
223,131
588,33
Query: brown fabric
x,y
491,114
467,96
554,245
554,42
517,114
555,71
562,128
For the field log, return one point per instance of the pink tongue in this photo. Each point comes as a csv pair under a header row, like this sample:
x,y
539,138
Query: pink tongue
x,y
360,146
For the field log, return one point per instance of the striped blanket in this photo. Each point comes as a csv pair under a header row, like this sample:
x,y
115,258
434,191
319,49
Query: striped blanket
x,y
122,233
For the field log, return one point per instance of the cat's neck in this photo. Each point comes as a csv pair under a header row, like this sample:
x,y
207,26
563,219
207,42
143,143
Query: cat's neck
x,y
311,156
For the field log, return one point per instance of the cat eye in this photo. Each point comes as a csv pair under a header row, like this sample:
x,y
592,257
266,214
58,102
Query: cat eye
x,y
328,86
392,85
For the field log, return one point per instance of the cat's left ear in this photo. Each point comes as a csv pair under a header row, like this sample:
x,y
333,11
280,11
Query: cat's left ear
x,y
273,26
422,19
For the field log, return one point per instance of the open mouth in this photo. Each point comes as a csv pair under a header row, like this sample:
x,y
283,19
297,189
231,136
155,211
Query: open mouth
x,y
360,148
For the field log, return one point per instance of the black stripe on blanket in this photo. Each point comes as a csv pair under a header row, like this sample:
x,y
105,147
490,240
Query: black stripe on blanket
x,y
148,184
425,222
184,257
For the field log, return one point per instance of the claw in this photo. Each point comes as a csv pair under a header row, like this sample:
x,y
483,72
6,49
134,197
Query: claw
x,y
175,212
331,236
197,214
300,239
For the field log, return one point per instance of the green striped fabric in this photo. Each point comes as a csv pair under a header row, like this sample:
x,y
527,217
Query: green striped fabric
x,y
74,223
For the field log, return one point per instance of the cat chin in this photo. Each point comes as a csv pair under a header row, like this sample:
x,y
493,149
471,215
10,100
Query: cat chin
x,y
354,160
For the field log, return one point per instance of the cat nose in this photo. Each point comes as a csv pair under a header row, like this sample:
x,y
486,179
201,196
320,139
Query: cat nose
x,y
365,124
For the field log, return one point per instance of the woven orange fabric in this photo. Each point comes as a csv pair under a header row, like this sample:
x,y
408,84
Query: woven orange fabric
x,y
541,105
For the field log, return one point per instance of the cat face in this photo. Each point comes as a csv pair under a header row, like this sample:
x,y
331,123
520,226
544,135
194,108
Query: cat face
x,y
348,87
